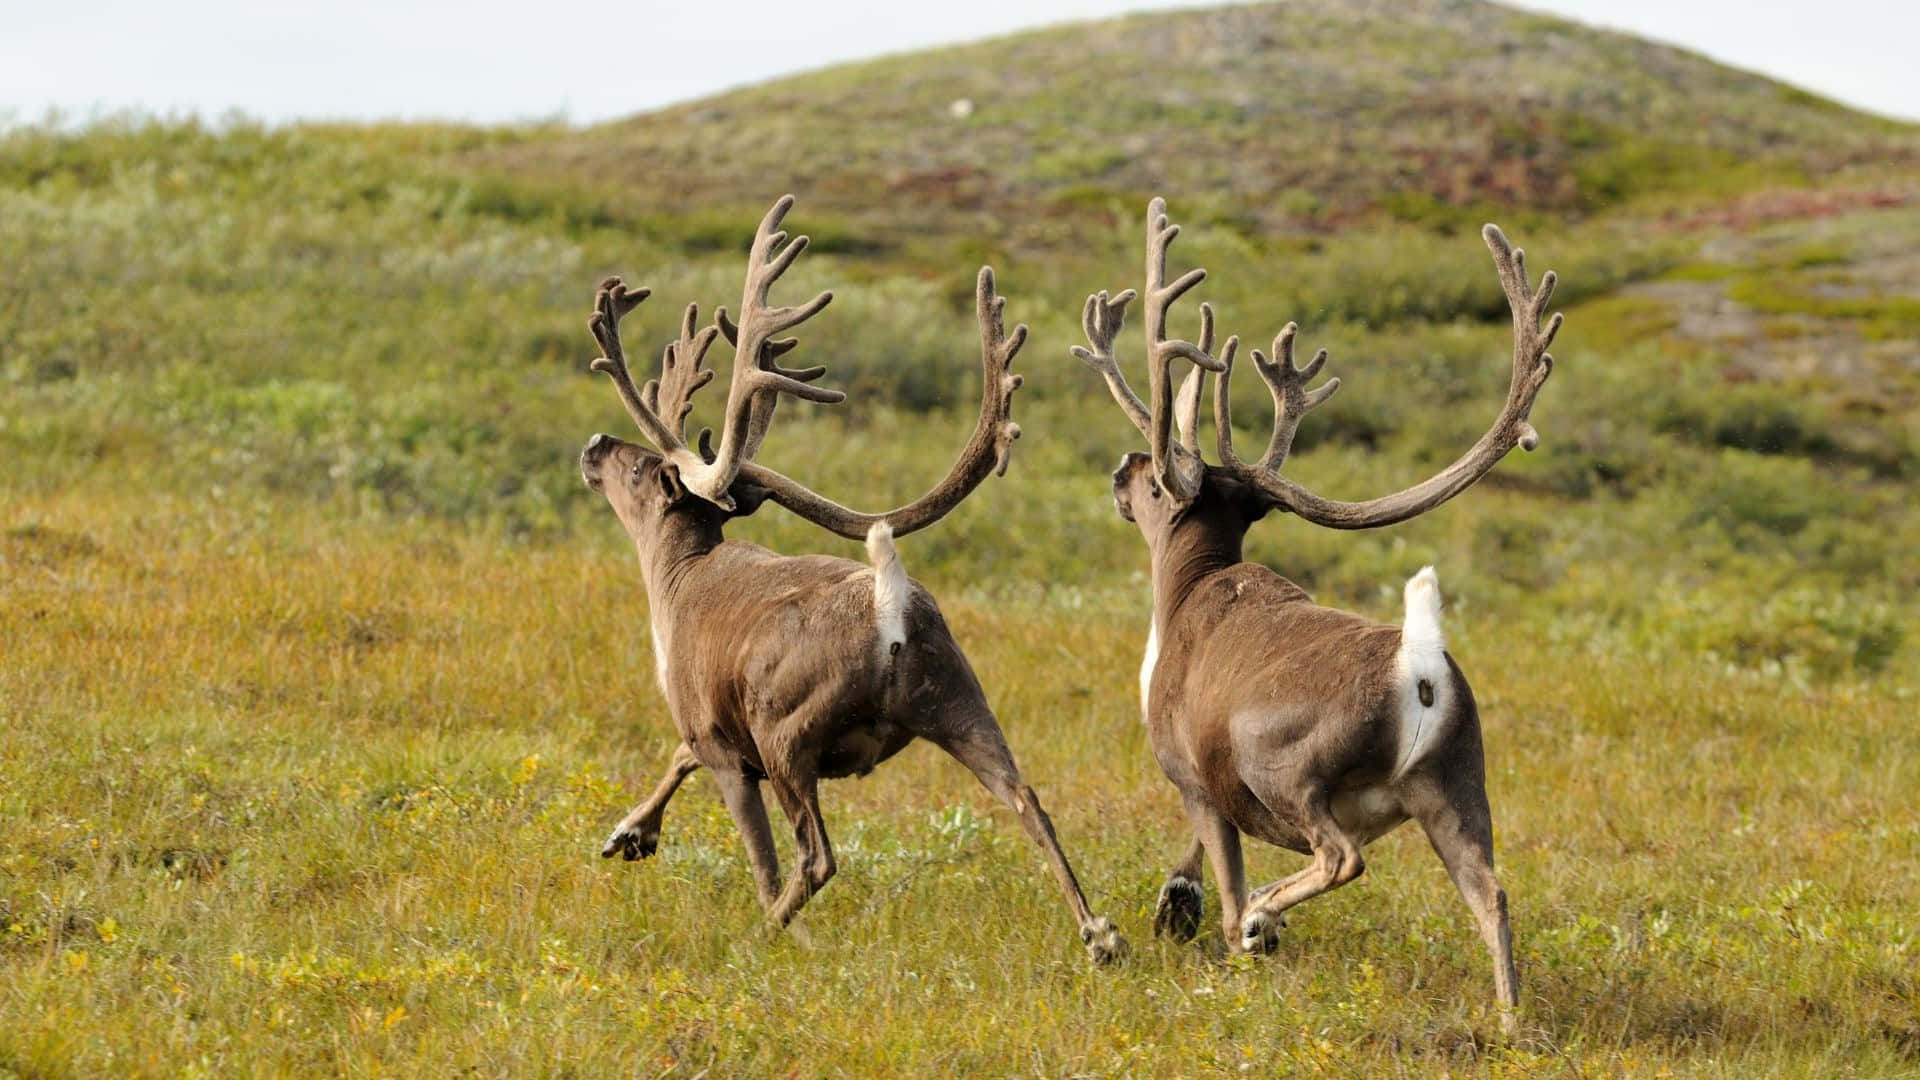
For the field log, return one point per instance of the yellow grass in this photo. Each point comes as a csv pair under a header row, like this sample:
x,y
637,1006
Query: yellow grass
x,y
287,795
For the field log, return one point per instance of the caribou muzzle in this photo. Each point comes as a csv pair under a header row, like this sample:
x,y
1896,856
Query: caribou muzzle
x,y
593,456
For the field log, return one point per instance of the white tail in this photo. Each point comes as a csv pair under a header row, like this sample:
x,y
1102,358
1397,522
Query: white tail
x,y
890,589
1422,671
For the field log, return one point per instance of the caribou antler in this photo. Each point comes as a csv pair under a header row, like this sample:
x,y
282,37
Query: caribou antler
x,y
986,453
1291,400
661,408
681,374
1178,465
756,381
1531,366
1180,468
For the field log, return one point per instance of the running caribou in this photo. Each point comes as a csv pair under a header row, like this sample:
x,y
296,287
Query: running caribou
x,y
1310,728
785,669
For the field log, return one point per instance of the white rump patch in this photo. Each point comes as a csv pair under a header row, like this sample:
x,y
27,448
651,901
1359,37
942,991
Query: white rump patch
x,y
890,589
1146,666
1420,672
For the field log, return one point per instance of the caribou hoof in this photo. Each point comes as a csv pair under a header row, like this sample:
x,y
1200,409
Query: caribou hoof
x,y
1260,933
1104,943
1181,905
631,844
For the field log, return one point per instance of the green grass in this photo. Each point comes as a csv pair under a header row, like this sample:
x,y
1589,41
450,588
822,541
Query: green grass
x,y
322,675
324,797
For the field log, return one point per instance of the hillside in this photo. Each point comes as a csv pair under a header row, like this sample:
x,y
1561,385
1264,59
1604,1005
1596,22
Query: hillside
x,y
1306,114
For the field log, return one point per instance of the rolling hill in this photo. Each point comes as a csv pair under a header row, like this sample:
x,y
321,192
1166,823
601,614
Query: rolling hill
x,y
1307,114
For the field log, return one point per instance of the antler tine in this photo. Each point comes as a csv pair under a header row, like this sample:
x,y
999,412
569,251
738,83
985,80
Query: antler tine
x,y
728,329
986,453
757,381
612,302
1186,403
1186,408
1291,398
1102,319
682,372
1178,465
1223,414
1161,296
1531,361
1531,367
997,350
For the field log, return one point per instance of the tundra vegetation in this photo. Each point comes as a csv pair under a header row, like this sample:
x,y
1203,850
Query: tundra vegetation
x,y
322,675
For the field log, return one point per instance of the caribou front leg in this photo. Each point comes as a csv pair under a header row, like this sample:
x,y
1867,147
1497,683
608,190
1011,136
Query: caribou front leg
x,y
1336,861
1222,843
749,811
638,834
1182,902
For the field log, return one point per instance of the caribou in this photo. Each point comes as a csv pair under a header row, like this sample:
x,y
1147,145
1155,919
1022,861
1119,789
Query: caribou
x,y
791,670
1313,729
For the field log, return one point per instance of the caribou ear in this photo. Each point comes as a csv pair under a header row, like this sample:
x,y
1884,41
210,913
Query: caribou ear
x,y
747,498
668,477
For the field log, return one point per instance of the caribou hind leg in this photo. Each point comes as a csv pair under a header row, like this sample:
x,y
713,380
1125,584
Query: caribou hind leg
x,y
979,745
1459,824
638,834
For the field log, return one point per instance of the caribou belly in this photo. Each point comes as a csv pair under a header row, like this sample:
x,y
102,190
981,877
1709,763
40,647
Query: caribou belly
x,y
1367,812
861,746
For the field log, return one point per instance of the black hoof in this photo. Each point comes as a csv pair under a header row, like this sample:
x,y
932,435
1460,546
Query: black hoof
x,y
1260,933
1181,906
1104,943
630,846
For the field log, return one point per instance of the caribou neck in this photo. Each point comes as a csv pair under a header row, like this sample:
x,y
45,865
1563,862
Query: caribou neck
x,y
684,540
1194,548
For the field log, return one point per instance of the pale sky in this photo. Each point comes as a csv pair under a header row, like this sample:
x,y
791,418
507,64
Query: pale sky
x,y
489,61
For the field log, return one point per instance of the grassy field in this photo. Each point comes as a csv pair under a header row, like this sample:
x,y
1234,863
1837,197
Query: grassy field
x,y
322,676
288,794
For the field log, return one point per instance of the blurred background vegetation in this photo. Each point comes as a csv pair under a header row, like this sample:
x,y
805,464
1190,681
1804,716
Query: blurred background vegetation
x,y
389,319
287,339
